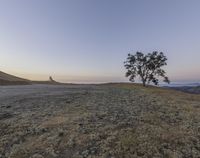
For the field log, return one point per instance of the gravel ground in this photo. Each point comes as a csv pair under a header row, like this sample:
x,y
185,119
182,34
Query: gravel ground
x,y
107,121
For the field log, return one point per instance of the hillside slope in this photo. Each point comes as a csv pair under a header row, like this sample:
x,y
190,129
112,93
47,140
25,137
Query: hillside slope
x,y
104,121
7,79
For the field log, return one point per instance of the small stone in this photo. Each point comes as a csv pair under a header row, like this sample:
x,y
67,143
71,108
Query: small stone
x,y
61,134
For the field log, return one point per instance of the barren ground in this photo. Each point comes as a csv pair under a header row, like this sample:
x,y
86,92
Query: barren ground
x,y
111,121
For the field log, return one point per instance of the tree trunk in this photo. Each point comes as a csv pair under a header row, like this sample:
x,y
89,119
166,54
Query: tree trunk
x,y
144,83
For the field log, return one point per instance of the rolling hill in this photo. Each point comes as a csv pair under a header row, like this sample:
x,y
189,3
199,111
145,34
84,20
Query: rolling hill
x,y
7,79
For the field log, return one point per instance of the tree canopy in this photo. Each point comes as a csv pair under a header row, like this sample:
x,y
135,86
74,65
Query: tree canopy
x,y
148,67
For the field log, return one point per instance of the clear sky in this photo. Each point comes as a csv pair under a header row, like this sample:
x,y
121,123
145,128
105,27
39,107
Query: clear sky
x,y
88,40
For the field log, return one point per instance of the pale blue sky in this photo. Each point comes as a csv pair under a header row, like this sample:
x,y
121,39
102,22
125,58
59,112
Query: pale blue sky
x,y
88,40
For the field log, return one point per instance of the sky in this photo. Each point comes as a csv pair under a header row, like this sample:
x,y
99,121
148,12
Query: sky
x,y
88,40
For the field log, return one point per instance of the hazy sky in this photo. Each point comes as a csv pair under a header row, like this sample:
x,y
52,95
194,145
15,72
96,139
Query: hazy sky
x,y
88,40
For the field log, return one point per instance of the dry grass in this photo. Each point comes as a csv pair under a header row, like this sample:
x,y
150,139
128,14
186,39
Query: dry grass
x,y
110,120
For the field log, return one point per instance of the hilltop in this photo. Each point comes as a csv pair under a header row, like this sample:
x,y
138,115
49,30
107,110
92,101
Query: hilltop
x,y
110,120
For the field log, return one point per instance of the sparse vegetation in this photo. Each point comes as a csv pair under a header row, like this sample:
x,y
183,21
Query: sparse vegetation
x,y
111,120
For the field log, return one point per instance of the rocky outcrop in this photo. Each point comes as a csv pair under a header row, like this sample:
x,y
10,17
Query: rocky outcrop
x,y
51,79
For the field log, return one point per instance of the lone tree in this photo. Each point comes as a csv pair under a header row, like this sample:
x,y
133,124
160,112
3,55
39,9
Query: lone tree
x,y
147,67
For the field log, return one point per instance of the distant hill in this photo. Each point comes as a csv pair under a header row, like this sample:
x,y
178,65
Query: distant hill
x,y
188,89
50,81
7,79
